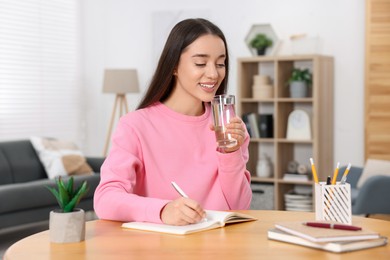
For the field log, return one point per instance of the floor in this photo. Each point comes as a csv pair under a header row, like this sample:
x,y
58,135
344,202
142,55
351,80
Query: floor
x,y
12,235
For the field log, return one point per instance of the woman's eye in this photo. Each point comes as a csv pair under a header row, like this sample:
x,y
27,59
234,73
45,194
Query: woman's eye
x,y
200,64
221,65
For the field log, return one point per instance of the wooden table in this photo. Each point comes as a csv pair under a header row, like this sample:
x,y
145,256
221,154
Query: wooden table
x,y
107,240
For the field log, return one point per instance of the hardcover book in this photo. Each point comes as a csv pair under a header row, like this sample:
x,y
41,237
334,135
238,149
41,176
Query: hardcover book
x,y
316,234
336,247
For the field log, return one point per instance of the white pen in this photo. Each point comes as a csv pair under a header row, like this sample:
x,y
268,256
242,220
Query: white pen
x,y
179,190
183,194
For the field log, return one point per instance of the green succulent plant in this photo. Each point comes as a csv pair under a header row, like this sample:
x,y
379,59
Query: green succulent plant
x,y
299,74
260,41
67,197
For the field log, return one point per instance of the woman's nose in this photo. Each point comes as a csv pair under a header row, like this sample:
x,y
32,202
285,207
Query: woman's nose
x,y
212,72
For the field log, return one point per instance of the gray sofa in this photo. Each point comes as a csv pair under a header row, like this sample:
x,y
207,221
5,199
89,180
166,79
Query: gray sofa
x,y
24,197
372,197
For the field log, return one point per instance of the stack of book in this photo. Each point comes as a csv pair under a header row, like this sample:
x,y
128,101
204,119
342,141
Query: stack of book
x,y
299,199
338,240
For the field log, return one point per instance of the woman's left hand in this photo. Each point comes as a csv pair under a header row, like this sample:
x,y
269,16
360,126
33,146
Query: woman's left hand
x,y
237,131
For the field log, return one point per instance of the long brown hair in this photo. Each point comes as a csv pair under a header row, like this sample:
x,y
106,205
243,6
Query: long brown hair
x,y
182,35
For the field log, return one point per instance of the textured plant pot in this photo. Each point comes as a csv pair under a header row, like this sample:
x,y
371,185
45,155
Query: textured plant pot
x,y
67,227
298,89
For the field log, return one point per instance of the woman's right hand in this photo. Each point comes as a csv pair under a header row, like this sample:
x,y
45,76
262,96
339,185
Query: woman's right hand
x,y
182,211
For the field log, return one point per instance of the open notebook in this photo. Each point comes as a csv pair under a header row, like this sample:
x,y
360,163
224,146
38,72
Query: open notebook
x,y
215,219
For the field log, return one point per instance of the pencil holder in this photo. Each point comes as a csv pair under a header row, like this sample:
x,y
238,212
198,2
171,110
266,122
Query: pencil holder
x,y
333,202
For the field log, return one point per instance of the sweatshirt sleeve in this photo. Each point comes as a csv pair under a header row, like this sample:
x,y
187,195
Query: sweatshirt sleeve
x,y
115,197
235,178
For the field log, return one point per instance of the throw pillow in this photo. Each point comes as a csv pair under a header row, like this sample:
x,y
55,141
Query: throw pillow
x,y
374,167
60,157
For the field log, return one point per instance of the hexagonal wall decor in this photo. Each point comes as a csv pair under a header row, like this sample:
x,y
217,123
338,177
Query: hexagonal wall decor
x,y
264,29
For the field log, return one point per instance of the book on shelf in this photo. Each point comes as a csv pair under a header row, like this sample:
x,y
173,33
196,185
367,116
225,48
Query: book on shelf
x,y
266,125
295,177
247,124
259,125
336,247
316,234
214,219
251,122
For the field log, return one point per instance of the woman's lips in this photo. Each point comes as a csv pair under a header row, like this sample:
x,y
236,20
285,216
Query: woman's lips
x,y
209,87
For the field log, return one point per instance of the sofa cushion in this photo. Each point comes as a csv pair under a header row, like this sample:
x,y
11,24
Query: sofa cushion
x,y
5,170
19,162
374,167
354,195
34,194
60,157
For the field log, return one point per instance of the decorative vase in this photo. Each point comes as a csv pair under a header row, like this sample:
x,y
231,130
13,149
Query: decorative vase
x,y
264,167
298,89
67,227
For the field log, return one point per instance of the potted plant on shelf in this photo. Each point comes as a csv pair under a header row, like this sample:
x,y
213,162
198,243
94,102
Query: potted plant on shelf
x,y
260,42
299,82
67,224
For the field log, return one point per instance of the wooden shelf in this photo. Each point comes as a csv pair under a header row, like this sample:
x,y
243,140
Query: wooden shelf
x,y
319,105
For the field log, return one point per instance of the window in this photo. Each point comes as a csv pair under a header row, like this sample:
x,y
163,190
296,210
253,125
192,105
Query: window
x,y
40,70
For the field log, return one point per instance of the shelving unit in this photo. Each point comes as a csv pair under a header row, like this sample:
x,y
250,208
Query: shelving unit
x,y
319,105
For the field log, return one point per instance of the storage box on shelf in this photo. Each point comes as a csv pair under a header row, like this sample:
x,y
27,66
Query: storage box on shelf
x,y
318,104
263,195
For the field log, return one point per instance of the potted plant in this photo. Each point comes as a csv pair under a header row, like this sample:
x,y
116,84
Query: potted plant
x,y
67,224
299,82
260,42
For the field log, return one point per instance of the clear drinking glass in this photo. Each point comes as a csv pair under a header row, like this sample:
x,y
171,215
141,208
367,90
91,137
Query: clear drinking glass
x,y
223,109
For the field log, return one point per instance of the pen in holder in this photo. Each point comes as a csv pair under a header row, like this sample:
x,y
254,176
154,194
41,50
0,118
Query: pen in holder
x,y
333,202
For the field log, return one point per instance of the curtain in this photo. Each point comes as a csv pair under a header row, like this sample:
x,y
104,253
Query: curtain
x,y
41,92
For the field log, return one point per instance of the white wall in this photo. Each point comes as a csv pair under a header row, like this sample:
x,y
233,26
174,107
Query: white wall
x,y
119,33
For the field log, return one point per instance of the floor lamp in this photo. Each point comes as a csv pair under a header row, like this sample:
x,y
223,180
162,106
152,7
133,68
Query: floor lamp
x,y
119,82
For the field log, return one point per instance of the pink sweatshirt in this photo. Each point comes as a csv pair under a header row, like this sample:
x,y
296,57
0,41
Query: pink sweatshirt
x,y
152,147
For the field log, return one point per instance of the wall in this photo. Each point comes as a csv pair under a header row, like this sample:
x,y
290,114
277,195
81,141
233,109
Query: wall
x,y
120,33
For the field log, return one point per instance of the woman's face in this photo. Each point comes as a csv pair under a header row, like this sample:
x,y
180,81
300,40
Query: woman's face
x,y
200,70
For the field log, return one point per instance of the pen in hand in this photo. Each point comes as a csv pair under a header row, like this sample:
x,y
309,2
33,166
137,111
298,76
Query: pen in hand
x,y
183,194
179,190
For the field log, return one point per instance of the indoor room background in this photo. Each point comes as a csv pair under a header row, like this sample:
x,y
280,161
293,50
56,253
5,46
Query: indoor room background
x,y
130,34
122,34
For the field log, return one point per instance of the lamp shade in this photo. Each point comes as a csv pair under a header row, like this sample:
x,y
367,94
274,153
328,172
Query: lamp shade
x,y
120,81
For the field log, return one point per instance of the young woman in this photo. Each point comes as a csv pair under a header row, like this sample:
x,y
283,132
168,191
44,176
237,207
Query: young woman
x,y
170,138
